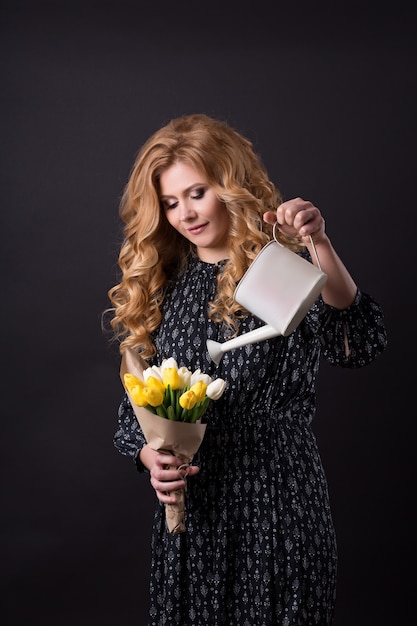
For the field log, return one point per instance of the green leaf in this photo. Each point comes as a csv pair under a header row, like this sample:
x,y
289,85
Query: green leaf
x,y
178,407
166,399
171,396
194,413
161,411
203,406
171,413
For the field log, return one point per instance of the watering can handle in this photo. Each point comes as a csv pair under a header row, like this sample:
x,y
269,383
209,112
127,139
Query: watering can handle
x,y
313,245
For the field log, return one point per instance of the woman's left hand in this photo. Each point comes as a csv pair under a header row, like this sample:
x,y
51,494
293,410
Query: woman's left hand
x,y
298,218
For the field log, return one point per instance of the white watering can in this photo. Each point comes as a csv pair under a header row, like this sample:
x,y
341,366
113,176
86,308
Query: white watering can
x,y
279,287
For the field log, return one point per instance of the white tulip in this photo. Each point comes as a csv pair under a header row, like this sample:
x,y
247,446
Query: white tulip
x,y
185,377
152,371
216,388
198,375
171,362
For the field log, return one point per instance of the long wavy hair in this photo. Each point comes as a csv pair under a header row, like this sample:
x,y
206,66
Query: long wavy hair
x,y
153,251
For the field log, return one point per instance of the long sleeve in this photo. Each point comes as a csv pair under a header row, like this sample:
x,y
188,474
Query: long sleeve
x,y
128,438
361,327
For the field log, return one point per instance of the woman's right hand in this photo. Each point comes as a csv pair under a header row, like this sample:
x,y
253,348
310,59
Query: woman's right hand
x,y
167,473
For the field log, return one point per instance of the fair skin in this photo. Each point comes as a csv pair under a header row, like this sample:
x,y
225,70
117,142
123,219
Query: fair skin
x,y
193,209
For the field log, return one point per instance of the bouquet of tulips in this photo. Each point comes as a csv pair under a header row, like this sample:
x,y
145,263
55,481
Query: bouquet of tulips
x,y
169,402
172,392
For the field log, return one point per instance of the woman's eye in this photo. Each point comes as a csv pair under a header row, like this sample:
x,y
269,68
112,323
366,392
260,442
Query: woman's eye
x,y
199,193
171,206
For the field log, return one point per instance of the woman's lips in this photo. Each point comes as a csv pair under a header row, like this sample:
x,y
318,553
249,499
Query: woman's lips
x,y
196,230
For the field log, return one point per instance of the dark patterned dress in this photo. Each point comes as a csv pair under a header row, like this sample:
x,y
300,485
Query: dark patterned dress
x,y
259,549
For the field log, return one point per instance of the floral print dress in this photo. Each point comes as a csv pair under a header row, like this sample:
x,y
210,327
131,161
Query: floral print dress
x,y
259,547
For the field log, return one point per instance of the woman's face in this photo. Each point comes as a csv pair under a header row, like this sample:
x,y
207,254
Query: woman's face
x,y
193,209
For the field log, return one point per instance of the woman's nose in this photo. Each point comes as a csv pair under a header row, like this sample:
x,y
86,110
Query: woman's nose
x,y
186,212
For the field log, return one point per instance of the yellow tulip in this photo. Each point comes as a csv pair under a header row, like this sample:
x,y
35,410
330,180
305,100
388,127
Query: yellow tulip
x,y
138,396
199,388
130,381
153,396
188,400
171,377
155,383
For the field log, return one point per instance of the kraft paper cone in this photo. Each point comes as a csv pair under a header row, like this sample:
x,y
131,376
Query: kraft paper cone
x,y
182,439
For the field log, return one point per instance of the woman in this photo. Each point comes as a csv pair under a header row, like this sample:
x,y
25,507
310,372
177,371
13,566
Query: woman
x,y
259,549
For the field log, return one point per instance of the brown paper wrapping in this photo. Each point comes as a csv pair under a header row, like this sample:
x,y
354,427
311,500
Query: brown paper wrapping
x,y
181,439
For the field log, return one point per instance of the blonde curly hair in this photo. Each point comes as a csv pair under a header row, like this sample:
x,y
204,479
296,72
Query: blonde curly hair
x,y
152,250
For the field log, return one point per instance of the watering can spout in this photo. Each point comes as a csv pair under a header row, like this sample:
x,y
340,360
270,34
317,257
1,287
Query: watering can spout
x,y
216,349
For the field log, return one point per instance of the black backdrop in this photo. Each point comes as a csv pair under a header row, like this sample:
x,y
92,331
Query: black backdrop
x,y
327,95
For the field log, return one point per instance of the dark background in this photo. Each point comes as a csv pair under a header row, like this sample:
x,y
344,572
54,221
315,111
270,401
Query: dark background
x,y
327,95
